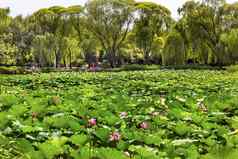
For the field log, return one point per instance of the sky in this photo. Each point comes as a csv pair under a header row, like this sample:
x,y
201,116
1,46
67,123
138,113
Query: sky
x,y
26,7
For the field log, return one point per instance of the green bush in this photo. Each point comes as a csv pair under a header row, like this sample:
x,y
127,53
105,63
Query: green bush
x,y
13,70
232,68
192,67
136,67
8,70
48,69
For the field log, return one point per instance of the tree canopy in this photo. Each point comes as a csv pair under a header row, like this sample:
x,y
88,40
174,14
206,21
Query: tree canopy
x,y
117,32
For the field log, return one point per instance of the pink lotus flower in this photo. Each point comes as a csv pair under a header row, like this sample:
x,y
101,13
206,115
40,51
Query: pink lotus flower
x,y
115,136
123,115
92,122
144,125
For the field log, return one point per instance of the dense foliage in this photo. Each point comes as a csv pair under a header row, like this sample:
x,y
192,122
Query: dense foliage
x,y
139,115
117,32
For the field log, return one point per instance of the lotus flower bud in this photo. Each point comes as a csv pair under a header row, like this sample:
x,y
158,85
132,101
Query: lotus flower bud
x,y
115,136
123,115
144,125
92,122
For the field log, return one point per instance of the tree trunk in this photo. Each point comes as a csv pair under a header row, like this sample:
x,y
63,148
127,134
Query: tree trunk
x,y
146,57
70,59
112,63
65,63
56,61
57,58
112,58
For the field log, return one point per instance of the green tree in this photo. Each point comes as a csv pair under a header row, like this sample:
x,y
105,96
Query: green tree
x,y
153,21
203,20
229,13
110,21
174,51
8,53
22,38
43,50
229,47
75,16
72,51
51,20
5,19
157,49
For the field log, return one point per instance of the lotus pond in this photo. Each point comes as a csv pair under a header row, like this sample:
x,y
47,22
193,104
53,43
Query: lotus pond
x,y
138,115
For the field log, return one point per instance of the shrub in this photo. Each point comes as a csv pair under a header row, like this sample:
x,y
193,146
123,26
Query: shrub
x,y
232,68
13,70
8,70
48,69
136,67
192,67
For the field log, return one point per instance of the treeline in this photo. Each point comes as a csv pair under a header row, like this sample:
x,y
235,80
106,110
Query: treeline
x,y
117,32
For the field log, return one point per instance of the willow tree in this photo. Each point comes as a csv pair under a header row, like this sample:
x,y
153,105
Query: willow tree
x,y
8,52
229,47
22,38
72,51
174,50
87,41
90,47
203,20
7,49
229,37
43,50
229,14
50,20
157,49
74,15
5,19
153,21
109,21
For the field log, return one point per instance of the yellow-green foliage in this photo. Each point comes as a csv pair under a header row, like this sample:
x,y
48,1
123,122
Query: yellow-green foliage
x,y
232,68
